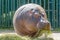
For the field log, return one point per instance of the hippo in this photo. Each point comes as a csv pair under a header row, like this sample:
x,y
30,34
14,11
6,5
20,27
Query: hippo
x,y
29,19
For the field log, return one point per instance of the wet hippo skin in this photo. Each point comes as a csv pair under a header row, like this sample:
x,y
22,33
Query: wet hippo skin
x,y
29,18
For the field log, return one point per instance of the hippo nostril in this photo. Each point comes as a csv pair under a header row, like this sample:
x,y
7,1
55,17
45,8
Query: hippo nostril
x,y
44,22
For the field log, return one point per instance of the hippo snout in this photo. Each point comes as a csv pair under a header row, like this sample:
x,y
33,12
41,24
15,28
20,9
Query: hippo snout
x,y
43,24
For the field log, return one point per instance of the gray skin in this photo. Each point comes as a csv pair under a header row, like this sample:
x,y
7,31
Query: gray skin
x,y
29,18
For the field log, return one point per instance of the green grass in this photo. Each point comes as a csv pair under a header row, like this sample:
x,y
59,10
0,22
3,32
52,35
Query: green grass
x,y
10,37
16,37
56,30
6,28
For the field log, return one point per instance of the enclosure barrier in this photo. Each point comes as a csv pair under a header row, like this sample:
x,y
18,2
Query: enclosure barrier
x,y
8,7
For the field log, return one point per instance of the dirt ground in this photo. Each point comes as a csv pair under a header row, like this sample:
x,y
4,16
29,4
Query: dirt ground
x,y
56,36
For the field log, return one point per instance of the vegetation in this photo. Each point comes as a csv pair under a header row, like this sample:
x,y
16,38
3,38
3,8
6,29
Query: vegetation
x,y
6,28
16,37
10,37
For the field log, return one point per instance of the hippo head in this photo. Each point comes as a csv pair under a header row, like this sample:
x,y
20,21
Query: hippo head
x,y
29,18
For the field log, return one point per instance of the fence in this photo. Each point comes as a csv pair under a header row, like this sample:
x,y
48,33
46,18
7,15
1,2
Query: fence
x,y
8,7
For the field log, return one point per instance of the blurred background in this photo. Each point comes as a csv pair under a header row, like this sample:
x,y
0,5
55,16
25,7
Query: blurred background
x,y
8,8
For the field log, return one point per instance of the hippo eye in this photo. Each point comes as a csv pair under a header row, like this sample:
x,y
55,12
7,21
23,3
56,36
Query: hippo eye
x,y
35,10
